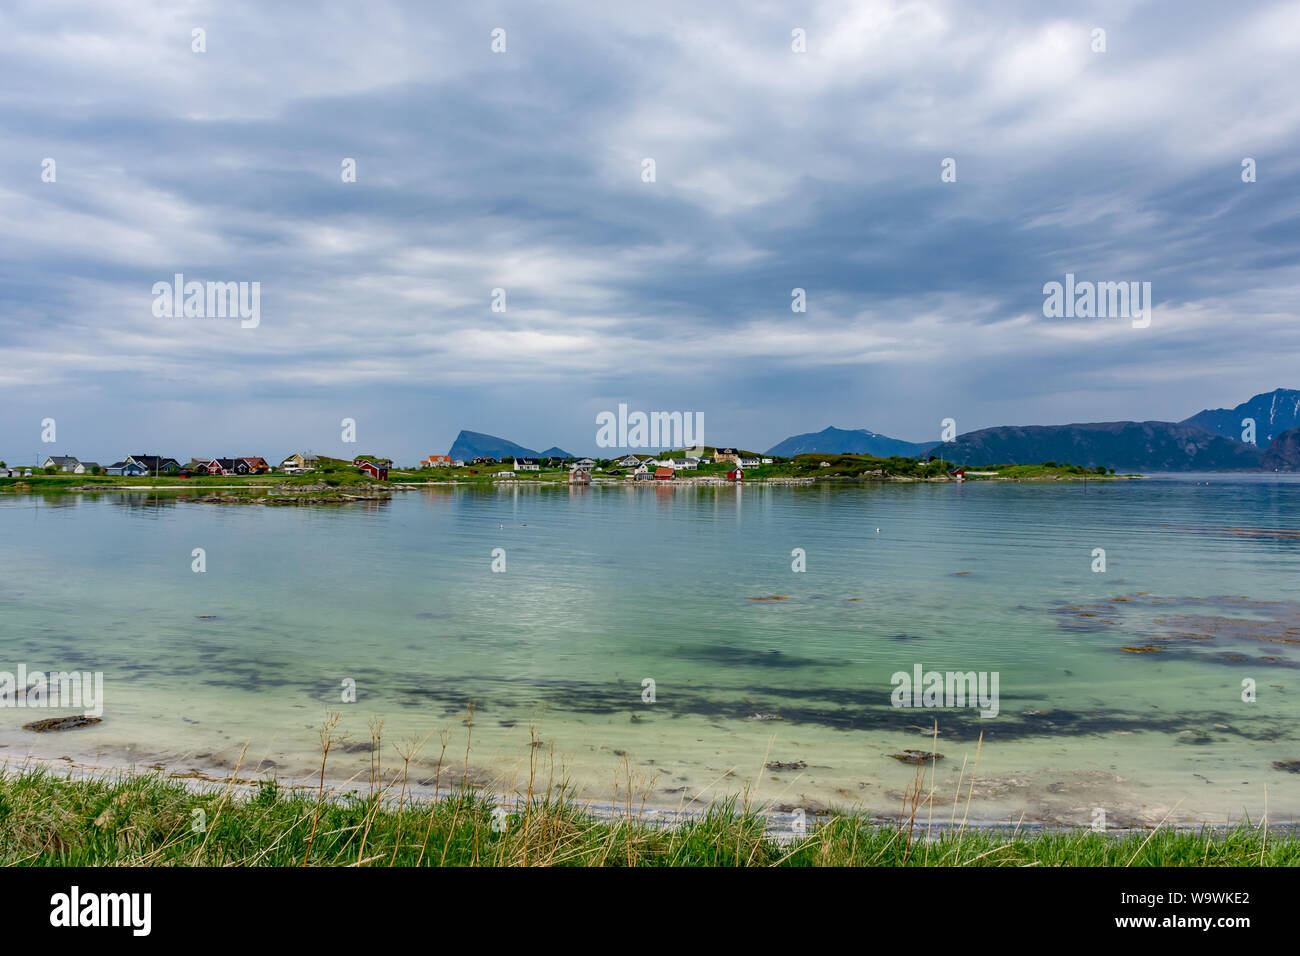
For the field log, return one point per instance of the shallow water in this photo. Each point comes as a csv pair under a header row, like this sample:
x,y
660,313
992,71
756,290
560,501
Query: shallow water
x,y
605,587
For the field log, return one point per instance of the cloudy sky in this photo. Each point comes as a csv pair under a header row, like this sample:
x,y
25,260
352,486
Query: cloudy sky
x,y
523,170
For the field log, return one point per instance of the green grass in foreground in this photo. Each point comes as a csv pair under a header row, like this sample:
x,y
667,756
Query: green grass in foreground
x,y
47,820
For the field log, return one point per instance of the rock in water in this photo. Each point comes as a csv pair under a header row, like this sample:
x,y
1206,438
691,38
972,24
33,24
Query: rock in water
x,y
62,723
916,756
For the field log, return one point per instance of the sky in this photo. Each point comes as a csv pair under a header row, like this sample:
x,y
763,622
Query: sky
x,y
523,169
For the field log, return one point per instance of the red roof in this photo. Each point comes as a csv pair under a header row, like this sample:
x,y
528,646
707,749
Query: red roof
x,y
663,472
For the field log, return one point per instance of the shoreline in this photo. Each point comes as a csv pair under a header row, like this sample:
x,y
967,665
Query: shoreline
x,y
779,821
375,492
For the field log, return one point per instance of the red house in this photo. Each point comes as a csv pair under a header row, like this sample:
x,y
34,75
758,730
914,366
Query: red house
x,y
736,474
663,474
378,472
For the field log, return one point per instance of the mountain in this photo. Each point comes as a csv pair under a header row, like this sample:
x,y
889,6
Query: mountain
x,y
1274,412
1284,452
555,452
1124,446
470,445
856,441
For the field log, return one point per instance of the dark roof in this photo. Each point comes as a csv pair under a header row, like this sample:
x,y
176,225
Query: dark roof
x,y
155,462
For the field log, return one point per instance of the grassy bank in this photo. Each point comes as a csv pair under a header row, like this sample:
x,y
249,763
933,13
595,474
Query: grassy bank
x,y
49,820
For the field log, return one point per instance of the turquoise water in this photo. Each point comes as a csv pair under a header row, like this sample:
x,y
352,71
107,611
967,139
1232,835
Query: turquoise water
x,y
605,587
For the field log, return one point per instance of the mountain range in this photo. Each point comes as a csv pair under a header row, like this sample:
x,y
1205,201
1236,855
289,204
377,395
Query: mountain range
x,y
1124,446
855,441
1210,440
1273,413
470,445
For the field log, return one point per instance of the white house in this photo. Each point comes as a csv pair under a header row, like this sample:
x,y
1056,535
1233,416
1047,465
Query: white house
x,y
61,462
628,461
745,462
527,464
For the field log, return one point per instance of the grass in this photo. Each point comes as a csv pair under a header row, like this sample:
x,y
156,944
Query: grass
x,y
153,820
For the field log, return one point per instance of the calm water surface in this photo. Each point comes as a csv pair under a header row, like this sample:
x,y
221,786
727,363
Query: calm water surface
x,y
605,587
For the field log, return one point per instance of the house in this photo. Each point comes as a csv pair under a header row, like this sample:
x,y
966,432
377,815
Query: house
x,y
61,462
959,474
11,472
663,474
458,463
578,476
436,461
527,464
128,469
485,460
85,467
736,474
200,466
629,461
682,463
256,466
505,474
156,464
377,470
767,461
296,464
586,464
643,474
745,461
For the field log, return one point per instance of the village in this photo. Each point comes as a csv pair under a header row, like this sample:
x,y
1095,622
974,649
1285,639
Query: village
x,y
306,471
728,463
